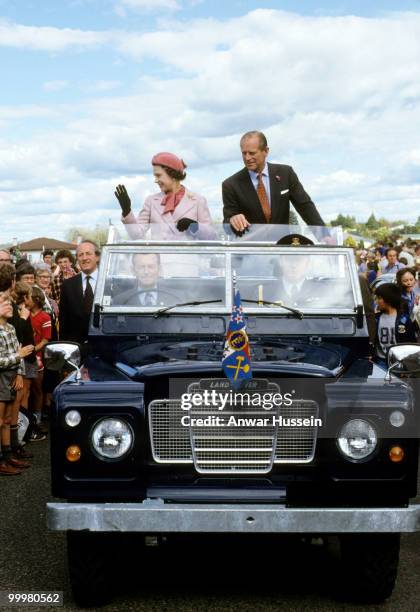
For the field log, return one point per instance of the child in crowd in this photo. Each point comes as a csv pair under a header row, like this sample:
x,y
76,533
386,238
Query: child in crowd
x,y
11,356
393,326
410,293
22,293
41,325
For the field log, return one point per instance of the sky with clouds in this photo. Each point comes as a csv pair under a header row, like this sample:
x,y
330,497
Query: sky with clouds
x,y
92,89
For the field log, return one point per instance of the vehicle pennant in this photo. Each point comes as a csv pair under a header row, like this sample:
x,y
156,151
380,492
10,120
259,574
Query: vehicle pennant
x,y
236,361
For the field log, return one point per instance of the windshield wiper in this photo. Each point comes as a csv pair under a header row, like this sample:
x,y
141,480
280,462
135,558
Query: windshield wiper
x,y
296,312
162,310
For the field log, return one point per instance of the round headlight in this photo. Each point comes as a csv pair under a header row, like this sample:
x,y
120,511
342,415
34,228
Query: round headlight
x,y
72,418
111,438
357,439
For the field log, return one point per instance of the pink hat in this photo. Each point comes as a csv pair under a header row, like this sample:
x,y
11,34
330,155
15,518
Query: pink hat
x,y
169,160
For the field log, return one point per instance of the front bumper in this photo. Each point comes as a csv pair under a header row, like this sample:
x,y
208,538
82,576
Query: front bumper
x,y
154,516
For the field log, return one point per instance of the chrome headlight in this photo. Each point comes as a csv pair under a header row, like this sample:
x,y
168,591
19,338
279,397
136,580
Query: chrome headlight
x,y
111,438
73,418
357,439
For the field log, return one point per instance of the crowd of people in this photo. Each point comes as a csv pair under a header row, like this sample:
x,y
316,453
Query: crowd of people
x,y
49,300
54,298
392,273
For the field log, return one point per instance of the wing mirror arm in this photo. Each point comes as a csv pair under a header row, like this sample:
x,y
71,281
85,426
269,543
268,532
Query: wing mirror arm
x,y
388,373
76,367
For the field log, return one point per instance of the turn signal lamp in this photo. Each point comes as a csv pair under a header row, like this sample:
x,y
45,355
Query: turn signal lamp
x,y
396,454
73,453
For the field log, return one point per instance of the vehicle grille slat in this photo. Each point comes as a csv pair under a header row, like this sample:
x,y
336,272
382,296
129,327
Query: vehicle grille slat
x,y
249,449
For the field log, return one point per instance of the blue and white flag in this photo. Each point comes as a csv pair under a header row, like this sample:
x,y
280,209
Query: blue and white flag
x,y
236,360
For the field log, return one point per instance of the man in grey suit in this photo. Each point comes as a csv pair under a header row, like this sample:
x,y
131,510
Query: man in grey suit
x,y
148,290
261,192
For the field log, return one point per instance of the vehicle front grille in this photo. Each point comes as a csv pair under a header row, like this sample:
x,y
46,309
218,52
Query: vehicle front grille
x,y
251,444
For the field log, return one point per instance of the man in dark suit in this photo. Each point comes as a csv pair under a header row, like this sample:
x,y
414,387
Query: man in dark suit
x,y
292,287
148,290
261,192
76,299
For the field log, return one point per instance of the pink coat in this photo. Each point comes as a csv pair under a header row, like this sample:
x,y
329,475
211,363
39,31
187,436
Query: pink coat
x,y
192,206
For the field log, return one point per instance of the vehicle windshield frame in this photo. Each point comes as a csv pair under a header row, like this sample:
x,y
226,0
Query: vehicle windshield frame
x,y
229,250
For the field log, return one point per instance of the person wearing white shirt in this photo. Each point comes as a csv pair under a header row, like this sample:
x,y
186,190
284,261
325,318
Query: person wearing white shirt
x,y
77,295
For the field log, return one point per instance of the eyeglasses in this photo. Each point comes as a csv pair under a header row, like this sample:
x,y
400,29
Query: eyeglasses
x,y
6,260
44,276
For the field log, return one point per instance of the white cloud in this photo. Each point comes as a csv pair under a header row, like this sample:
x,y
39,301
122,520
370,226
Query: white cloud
x,y
10,113
48,38
336,99
123,6
55,85
103,85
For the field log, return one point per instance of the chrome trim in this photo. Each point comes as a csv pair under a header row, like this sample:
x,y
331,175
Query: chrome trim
x,y
225,450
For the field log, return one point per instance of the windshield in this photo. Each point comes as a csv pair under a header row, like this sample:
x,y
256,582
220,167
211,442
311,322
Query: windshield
x,y
202,279
154,279
313,280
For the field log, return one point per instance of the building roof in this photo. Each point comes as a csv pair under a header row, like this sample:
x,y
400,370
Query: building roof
x,y
40,244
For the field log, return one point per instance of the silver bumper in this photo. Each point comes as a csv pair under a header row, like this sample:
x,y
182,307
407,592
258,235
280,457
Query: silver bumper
x,y
154,516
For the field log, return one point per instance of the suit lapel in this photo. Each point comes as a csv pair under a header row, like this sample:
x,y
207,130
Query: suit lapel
x,y
274,187
79,291
187,203
277,207
248,190
166,218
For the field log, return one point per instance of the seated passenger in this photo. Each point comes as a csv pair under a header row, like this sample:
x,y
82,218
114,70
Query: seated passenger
x,y
149,290
293,286
174,209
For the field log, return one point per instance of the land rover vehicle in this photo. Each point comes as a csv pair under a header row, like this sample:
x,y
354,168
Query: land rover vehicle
x,y
149,436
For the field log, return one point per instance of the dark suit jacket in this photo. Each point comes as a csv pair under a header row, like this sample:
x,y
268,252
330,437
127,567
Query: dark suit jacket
x,y
240,197
314,293
131,297
275,291
74,322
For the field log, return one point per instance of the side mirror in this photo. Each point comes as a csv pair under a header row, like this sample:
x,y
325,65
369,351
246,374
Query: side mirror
x,y
58,355
403,359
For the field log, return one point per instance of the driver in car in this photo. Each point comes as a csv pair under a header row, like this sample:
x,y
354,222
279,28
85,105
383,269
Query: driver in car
x,y
148,290
293,286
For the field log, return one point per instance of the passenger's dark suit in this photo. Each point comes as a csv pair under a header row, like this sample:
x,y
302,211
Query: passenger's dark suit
x,y
240,197
309,293
74,321
318,292
133,297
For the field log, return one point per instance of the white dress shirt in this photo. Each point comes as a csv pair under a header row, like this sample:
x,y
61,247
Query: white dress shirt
x,y
92,280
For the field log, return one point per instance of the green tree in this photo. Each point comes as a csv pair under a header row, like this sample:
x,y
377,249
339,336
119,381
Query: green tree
x,y
345,221
98,234
350,242
372,223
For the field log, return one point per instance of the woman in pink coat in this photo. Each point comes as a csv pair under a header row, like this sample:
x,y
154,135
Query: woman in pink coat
x,y
175,208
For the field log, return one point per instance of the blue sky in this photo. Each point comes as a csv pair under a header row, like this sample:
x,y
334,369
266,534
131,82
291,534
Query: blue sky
x,y
91,89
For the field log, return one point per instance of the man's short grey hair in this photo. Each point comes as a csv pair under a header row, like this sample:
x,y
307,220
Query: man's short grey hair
x,y
95,246
136,255
42,267
261,137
